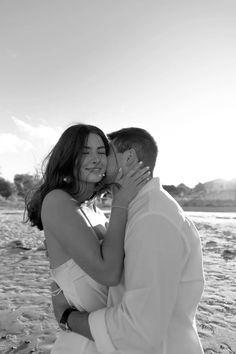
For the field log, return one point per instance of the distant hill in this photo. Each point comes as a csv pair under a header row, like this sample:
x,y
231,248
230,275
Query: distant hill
x,y
216,193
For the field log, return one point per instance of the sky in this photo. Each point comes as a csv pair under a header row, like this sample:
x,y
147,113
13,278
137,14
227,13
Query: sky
x,y
166,66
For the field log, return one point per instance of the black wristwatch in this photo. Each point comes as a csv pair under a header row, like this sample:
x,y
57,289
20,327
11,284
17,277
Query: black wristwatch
x,y
64,318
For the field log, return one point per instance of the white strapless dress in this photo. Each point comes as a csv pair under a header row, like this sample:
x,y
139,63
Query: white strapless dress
x,y
82,292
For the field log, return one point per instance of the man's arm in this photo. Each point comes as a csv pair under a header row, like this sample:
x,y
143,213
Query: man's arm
x,y
153,264
77,321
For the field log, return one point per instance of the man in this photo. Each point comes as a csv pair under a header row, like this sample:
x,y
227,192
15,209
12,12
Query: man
x,y
153,309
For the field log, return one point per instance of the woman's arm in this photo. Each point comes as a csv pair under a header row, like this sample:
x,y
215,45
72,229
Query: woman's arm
x,y
62,218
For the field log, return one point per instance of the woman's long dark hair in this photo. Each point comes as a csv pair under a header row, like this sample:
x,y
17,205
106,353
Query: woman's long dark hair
x,y
62,168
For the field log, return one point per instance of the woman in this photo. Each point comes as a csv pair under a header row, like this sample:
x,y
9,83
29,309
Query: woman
x,y
85,258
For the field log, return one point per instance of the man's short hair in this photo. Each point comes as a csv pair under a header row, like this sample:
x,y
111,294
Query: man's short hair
x,y
139,140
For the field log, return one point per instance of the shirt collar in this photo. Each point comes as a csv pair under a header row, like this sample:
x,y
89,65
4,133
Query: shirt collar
x,y
154,183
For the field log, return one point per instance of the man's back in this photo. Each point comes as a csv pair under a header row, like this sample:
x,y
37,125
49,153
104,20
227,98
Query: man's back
x,y
163,279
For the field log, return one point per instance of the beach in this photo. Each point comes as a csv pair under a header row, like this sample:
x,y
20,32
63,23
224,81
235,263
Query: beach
x,y
27,323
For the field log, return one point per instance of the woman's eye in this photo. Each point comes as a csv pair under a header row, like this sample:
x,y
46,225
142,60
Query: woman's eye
x,y
85,152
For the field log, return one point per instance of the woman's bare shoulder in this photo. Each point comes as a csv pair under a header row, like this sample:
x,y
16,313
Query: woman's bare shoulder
x,y
57,198
57,195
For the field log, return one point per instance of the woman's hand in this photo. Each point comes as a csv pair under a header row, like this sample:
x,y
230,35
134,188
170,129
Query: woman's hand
x,y
130,184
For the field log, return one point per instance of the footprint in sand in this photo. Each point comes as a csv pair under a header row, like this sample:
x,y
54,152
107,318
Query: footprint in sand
x,y
211,244
16,246
226,348
228,254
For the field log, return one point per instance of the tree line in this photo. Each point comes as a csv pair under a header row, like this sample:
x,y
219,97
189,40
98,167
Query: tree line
x,y
22,184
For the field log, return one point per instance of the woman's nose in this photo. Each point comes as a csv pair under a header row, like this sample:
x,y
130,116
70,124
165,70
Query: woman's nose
x,y
96,158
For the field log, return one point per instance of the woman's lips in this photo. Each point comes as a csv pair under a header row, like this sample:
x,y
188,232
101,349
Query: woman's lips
x,y
97,170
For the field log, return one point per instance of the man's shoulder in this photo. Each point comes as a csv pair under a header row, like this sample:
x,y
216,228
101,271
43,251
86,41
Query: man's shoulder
x,y
155,205
156,201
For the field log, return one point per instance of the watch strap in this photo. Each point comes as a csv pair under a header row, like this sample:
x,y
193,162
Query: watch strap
x,y
65,315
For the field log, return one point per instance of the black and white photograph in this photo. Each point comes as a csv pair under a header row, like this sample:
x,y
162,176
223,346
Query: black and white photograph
x,y
117,176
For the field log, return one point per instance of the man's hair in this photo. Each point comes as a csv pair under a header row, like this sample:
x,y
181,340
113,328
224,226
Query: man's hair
x,y
139,140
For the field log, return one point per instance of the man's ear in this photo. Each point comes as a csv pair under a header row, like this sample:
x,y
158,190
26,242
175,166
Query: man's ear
x,y
130,157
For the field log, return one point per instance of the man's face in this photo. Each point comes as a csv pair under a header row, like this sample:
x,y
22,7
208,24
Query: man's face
x,y
114,162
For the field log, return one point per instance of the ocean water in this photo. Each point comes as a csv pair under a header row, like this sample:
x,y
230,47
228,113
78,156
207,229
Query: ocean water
x,y
213,217
216,317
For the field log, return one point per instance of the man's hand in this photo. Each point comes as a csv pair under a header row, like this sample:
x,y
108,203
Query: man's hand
x,y
78,321
59,301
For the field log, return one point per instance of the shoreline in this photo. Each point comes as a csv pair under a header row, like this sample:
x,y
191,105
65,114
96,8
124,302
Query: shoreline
x,y
202,209
211,209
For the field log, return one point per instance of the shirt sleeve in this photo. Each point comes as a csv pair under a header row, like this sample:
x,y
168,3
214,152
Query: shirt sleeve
x,y
154,258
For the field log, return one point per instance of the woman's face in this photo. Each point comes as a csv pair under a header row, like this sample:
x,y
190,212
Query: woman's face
x,y
94,162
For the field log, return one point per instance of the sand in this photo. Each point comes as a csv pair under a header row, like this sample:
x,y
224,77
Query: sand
x,y
27,323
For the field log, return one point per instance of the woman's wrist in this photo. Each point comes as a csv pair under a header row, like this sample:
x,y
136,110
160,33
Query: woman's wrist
x,y
120,202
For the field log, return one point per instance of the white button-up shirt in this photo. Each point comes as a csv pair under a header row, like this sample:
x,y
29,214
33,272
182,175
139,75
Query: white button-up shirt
x,y
152,310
